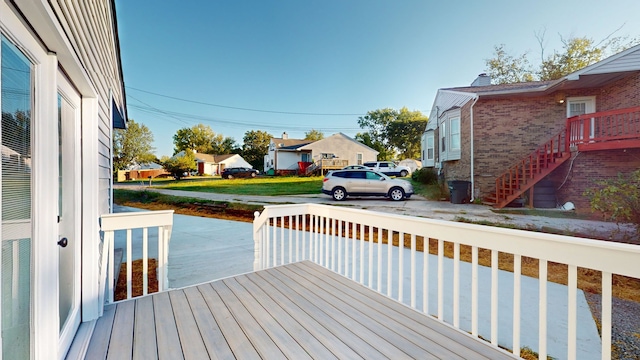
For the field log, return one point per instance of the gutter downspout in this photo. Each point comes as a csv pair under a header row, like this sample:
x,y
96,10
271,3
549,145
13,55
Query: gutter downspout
x,y
475,99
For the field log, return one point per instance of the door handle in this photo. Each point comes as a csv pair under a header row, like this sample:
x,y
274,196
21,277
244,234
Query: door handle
x,y
63,242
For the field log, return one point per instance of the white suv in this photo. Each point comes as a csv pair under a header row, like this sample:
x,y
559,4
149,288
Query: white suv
x,y
342,183
388,168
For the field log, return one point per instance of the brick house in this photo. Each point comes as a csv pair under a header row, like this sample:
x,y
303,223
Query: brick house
x,y
506,139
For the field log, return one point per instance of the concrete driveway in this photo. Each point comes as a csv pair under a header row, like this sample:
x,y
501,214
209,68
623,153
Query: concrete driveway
x,y
416,206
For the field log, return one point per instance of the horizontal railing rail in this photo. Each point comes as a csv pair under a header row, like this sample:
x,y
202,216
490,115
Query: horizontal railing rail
x,y
350,242
148,226
603,126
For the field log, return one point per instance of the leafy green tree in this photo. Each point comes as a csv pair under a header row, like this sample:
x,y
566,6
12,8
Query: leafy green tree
x,y
178,166
506,69
202,139
132,146
618,199
383,152
255,146
223,145
393,132
406,131
314,135
576,53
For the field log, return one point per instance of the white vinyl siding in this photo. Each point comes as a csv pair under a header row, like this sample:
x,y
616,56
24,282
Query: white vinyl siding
x,y
450,135
95,43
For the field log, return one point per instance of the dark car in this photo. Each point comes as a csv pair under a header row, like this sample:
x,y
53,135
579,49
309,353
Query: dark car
x,y
238,172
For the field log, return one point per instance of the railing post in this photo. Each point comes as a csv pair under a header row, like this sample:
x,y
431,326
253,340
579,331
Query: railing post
x,y
257,241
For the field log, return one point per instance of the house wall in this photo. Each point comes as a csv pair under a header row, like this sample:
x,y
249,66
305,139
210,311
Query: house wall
x,y
73,49
95,43
623,93
589,167
344,148
506,130
236,161
288,160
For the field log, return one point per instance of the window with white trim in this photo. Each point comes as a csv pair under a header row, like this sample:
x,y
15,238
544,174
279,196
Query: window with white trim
x,y
359,159
430,150
454,133
450,135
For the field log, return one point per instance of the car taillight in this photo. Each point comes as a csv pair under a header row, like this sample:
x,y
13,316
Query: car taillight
x,y
325,179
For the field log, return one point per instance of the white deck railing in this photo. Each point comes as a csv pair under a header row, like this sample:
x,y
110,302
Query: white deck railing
x,y
136,227
349,241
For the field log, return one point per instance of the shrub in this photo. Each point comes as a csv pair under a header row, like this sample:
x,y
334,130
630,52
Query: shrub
x,y
618,199
426,176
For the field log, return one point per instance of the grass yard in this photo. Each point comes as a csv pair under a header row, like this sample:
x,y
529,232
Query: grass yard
x,y
268,186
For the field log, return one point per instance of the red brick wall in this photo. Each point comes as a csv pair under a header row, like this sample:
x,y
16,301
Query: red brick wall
x,y
589,167
507,129
621,94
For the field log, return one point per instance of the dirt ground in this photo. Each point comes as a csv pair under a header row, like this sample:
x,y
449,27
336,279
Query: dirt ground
x,y
198,210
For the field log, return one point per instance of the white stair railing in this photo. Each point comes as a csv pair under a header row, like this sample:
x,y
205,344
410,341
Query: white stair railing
x,y
159,222
349,241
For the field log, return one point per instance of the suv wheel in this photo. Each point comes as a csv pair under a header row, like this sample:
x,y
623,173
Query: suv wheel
x,y
396,194
339,194
253,174
229,176
404,173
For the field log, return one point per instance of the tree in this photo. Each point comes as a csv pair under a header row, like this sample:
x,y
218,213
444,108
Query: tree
x,y
178,166
383,152
506,69
223,145
255,147
314,135
132,146
576,53
393,132
203,139
406,132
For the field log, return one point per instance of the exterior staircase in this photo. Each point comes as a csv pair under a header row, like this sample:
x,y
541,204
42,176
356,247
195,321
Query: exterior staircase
x,y
530,170
605,130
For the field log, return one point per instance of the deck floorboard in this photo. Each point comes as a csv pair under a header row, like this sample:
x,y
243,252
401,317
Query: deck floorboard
x,y
300,310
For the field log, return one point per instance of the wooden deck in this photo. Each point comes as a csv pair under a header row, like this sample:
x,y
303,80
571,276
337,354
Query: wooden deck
x,y
295,311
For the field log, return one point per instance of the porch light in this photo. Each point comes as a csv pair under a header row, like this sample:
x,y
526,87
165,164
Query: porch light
x,y
559,98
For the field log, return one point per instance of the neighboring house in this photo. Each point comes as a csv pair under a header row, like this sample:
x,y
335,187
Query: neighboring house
x,y
504,139
141,172
292,156
214,164
62,96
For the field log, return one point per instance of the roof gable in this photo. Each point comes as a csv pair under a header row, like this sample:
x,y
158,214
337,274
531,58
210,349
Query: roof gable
x,y
285,143
215,159
627,60
338,136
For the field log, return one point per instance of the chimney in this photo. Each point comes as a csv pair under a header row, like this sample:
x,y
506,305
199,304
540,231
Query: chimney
x,y
285,136
482,80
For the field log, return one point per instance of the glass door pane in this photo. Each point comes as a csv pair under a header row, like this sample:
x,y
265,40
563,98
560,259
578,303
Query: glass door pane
x,y
16,104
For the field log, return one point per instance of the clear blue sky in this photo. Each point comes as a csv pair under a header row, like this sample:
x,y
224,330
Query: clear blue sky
x,y
327,57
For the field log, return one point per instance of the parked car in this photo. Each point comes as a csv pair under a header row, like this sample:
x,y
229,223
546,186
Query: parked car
x,y
238,172
355,167
388,168
342,183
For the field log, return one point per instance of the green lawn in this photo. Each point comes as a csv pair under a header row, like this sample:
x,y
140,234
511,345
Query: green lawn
x,y
269,186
